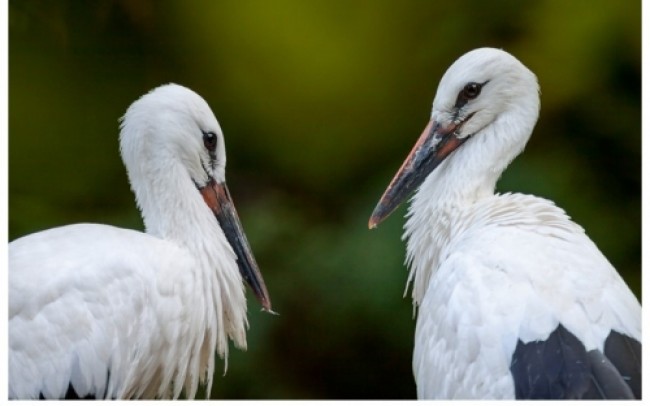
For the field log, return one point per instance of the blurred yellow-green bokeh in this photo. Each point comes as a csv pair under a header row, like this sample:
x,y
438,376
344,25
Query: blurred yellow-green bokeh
x,y
320,102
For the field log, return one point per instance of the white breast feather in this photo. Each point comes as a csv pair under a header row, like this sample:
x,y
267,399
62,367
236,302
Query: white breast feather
x,y
115,318
499,277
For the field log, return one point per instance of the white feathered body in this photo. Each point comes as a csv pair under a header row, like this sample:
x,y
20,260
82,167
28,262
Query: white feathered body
x,y
112,311
497,270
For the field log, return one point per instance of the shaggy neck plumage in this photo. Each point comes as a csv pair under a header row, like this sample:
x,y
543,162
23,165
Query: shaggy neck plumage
x,y
466,177
173,210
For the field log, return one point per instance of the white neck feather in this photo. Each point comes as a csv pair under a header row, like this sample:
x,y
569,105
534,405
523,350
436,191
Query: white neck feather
x,y
174,210
467,176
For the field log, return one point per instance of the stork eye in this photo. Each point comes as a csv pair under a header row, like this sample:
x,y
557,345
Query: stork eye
x,y
210,140
472,90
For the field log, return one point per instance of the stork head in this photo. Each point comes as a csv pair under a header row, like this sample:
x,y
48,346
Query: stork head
x,y
484,89
168,138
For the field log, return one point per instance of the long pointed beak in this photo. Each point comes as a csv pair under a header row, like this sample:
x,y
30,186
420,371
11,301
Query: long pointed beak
x,y
433,146
217,197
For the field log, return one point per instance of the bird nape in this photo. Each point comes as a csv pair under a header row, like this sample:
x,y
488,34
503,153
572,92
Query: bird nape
x,y
513,299
97,311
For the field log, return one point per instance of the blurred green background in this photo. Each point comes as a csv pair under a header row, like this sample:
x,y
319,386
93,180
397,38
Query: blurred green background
x,y
320,102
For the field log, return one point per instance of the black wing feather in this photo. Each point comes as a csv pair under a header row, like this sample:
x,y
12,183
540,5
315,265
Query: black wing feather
x,y
561,368
625,353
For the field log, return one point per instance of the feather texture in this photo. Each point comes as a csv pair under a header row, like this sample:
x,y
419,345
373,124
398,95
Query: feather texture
x,y
494,275
99,311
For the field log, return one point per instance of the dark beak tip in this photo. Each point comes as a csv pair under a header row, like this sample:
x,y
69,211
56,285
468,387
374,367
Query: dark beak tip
x,y
270,311
382,211
266,303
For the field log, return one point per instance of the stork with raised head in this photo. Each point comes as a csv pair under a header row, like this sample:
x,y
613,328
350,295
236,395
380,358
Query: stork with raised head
x,y
513,299
97,311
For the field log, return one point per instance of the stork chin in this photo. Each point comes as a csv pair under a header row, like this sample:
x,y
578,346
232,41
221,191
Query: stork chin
x,y
434,145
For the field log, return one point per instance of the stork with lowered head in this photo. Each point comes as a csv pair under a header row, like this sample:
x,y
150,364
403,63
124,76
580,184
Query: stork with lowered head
x,y
97,311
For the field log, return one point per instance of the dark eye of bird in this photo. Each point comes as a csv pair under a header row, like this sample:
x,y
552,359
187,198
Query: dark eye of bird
x,y
210,140
471,91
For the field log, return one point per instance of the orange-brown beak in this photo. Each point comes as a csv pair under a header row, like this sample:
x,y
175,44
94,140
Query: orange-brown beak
x,y
217,197
433,146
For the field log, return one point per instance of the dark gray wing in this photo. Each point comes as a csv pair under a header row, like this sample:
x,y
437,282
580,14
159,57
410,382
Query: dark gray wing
x,y
561,368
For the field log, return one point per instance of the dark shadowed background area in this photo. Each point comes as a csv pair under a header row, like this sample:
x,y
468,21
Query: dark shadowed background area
x,y
320,102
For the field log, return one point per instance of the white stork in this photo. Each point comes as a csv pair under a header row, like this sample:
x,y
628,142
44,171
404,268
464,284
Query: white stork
x,y
513,299
97,311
